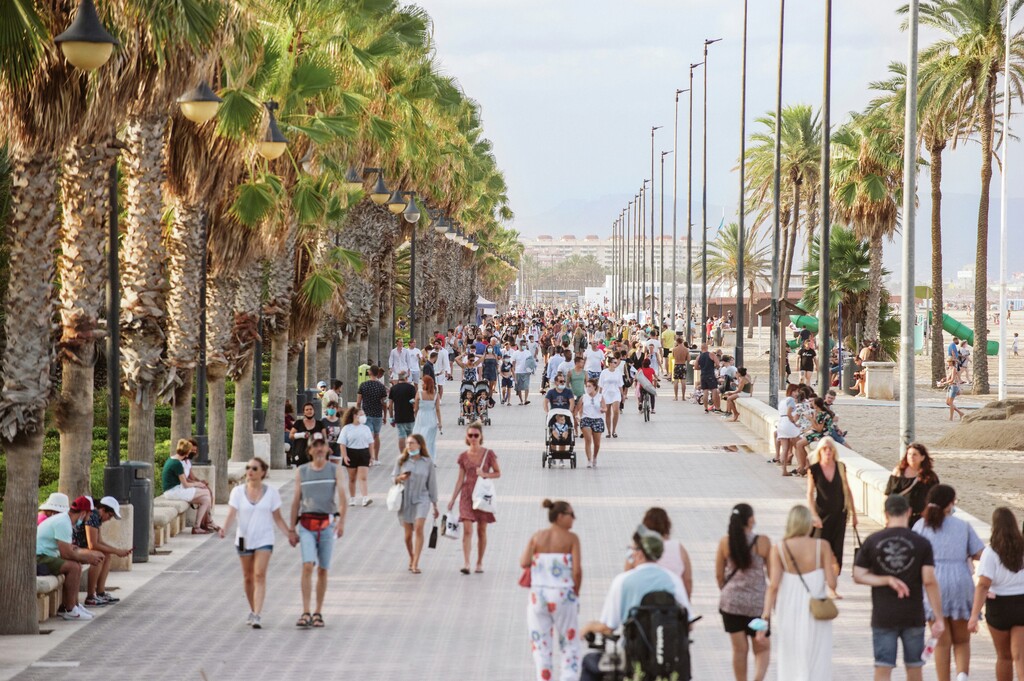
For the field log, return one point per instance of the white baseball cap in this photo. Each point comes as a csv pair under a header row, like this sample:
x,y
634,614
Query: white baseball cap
x,y
113,505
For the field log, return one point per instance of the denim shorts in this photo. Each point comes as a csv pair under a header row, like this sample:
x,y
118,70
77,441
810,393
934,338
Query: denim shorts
x,y
314,550
404,429
884,642
248,552
375,423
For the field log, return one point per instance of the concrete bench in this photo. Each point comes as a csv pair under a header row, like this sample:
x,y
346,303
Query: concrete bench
x,y
163,518
181,509
236,473
48,596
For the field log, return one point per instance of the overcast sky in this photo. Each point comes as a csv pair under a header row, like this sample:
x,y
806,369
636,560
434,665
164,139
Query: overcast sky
x,y
570,90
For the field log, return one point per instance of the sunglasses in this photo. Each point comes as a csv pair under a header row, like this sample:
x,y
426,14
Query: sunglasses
x,y
473,435
253,468
571,514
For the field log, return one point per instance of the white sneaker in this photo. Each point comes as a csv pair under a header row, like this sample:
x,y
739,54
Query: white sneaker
x,y
83,613
248,619
367,501
351,501
70,615
256,623
962,676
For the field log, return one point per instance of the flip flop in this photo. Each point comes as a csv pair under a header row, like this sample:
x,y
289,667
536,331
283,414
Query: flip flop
x,y
479,571
464,571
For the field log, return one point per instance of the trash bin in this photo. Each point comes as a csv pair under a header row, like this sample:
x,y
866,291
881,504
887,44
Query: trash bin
x,y
847,380
140,496
116,482
689,374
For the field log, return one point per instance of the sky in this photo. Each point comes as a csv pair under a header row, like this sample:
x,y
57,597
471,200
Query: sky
x,y
569,92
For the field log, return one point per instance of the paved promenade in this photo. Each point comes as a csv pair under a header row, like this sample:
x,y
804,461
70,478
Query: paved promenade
x,y
188,622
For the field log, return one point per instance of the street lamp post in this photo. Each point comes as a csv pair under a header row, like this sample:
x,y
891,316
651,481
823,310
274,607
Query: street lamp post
x,y
907,311
675,190
114,482
704,206
740,281
203,459
824,280
653,128
1004,317
662,254
774,332
689,214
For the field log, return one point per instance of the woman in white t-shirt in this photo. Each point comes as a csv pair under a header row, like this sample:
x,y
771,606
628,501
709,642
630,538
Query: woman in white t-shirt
x,y
610,383
257,506
1001,574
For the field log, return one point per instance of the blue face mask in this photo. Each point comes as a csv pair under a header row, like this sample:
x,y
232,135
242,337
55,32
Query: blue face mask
x,y
332,412
414,452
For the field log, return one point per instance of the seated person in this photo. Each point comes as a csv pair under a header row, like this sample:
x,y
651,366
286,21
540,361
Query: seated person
x,y
643,575
560,429
58,556
859,373
742,381
837,433
87,536
178,486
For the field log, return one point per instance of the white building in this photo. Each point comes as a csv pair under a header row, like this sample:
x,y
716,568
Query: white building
x,y
548,250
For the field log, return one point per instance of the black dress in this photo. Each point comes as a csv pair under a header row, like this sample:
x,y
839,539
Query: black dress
x,y
830,505
917,494
298,455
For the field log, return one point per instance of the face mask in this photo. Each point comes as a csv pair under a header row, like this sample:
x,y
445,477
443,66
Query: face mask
x,y
362,419
414,452
332,412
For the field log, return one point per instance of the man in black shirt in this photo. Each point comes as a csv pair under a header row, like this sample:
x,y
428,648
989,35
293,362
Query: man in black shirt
x,y
707,363
371,397
899,565
428,366
400,399
559,397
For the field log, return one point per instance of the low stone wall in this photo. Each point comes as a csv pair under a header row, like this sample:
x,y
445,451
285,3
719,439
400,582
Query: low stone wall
x,y
867,479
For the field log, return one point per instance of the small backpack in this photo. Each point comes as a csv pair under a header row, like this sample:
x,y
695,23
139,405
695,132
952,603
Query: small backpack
x,y
656,636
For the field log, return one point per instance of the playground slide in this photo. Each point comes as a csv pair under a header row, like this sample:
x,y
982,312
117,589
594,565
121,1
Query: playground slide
x,y
806,322
964,332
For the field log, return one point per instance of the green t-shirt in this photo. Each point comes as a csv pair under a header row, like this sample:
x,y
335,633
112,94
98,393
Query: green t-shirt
x,y
577,381
172,470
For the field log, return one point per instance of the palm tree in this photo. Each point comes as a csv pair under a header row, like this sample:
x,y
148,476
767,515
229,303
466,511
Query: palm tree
x,y
849,277
867,191
800,161
724,258
973,55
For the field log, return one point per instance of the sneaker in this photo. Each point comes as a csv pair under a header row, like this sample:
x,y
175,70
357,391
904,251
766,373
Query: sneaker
x,y
70,615
256,624
95,602
248,619
107,598
351,501
367,501
83,613
962,676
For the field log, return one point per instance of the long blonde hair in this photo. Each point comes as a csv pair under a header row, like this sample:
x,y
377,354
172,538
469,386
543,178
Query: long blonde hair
x,y
822,443
799,522
423,449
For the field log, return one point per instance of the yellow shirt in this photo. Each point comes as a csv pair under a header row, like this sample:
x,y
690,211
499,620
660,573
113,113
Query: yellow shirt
x,y
668,339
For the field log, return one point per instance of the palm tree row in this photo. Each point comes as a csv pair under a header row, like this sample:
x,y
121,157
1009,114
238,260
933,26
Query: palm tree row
x,y
957,92
293,237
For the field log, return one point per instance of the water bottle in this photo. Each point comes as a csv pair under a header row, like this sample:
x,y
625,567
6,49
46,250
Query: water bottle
x,y
929,649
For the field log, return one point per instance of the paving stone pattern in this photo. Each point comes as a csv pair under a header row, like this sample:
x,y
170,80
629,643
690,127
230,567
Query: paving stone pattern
x,y
385,623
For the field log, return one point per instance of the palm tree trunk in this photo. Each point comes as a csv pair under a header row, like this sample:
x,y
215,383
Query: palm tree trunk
x,y
279,363
979,358
313,372
181,406
241,432
216,379
938,345
292,385
794,227
323,359
874,289
82,269
32,236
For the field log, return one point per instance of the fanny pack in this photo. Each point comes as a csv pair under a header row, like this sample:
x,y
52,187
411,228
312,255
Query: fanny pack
x,y
315,522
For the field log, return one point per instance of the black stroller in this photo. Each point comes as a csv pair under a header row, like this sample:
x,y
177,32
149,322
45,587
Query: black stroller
x,y
559,449
467,402
484,401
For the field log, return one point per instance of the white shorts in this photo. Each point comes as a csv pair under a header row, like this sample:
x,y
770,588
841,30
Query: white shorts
x,y
611,395
181,493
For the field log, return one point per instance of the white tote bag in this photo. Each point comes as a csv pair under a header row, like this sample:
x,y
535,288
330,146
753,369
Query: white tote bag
x,y
452,528
483,491
394,498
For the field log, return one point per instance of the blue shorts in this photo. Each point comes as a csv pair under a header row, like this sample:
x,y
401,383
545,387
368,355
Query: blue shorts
x,y
884,643
315,550
269,548
375,423
404,429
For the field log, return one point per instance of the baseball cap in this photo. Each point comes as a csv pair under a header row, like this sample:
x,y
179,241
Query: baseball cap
x,y
113,505
56,502
318,437
651,542
81,504
322,384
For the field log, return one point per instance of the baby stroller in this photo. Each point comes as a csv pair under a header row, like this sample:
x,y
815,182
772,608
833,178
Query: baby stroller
x,y
468,402
561,449
484,401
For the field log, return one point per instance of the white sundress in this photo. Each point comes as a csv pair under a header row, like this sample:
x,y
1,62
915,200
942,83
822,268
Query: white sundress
x,y
803,645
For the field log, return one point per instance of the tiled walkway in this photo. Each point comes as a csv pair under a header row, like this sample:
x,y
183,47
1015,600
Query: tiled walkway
x,y
384,623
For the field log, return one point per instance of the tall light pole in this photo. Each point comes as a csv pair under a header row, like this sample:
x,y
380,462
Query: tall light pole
x,y
907,311
689,214
675,190
653,128
1003,227
704,206
824,285
740,281
662,254
774,332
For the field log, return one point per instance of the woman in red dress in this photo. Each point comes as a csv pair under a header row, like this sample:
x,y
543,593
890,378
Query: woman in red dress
x,y
475,461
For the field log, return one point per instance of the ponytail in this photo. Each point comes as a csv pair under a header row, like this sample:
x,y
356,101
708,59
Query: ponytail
x,y
939,497
739,548
555,508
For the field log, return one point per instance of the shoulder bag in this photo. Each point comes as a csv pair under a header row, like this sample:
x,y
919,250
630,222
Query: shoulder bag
x,y
821,608
483,490
394,498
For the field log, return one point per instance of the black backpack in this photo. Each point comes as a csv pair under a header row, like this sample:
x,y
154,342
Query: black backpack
x,y
656,637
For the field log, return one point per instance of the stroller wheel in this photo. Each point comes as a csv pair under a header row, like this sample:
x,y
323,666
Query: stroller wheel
x,y
573,462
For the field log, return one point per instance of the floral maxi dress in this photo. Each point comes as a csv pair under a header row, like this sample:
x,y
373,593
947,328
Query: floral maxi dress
x,y
553,608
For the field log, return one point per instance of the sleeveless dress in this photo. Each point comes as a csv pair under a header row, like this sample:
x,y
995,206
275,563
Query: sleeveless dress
x,y
803,650
466,511
952,543
553,608
830,504
426,425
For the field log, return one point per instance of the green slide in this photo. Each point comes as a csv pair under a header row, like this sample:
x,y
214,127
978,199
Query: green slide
x,y
964,332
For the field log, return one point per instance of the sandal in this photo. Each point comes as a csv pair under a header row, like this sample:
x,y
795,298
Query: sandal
x,y
199,530
479,571
464,571
416,571
304,621
318,621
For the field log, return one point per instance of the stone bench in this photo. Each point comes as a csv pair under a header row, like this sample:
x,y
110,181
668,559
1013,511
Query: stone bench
x,y
867,479
236,473
163,519
880,380
49,593
181,509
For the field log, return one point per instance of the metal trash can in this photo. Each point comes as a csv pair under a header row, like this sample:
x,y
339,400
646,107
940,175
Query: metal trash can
x,y
689,374
116,482
847,380
140,496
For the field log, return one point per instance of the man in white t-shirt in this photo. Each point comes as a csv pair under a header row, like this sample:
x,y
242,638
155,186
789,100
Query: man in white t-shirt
x,y
520,361
653,347
593,360
415,358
